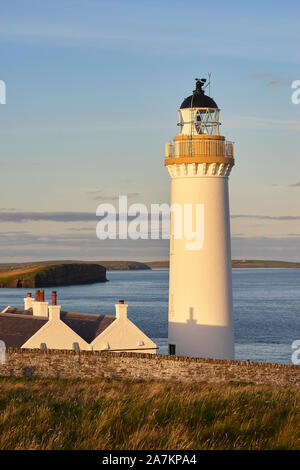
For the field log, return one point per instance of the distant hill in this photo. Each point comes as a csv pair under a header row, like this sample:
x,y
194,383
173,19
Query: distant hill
x,y
109,265
52,275
158,264
125,265
252,263
61,273
238,263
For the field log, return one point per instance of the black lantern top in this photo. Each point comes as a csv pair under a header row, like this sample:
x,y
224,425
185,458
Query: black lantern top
x,y
198,99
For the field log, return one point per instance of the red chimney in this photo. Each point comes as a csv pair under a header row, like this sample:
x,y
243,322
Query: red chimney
x,y
29,294
54,297
121,301
37,295
42,295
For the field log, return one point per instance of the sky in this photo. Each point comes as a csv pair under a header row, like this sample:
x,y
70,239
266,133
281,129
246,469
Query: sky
x,y
93,90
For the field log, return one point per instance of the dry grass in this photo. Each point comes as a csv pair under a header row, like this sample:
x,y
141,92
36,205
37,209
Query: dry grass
x,y
17,272
109,414
21,273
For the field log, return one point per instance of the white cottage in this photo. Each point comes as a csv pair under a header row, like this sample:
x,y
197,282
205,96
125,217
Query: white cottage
x,y
40,325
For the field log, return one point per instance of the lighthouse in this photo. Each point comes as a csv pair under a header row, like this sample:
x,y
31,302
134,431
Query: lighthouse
x,y
199,161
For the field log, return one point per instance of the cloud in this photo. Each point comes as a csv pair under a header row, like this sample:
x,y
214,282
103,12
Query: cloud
x,y
98,195
20,217
22,239
271,80
24,246
82,229
294,185
82,243
280,248
278,82
265,217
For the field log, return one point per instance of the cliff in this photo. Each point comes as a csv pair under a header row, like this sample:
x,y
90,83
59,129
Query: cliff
x,y
53,275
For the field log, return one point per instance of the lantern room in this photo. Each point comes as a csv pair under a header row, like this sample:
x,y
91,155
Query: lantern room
x,y
199,114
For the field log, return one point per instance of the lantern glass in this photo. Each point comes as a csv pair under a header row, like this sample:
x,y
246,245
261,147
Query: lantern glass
x,y
206,121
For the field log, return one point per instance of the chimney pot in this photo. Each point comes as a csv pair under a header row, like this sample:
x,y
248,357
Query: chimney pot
x,y
54,297
40,307
121,301
28,301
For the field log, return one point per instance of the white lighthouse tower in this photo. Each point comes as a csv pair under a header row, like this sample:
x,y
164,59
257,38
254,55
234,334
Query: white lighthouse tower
x,y
199,162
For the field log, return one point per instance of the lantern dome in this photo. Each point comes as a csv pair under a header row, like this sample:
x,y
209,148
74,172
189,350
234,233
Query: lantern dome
x,y
198,99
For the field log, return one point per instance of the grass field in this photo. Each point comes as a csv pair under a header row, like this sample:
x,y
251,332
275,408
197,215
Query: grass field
x,y
109,414
10,275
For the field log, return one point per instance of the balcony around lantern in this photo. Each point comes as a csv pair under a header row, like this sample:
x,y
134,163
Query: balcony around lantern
x,y
200,148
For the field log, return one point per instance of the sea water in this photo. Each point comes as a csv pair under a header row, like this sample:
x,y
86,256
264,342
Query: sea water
x,y
266,307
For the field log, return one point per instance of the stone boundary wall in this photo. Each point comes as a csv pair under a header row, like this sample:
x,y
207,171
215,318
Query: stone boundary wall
x,y
126,365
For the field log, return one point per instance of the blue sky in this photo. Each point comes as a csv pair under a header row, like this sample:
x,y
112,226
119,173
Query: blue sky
x,y
93,90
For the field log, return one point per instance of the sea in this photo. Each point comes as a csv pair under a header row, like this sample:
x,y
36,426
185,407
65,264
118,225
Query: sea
x,y
266,307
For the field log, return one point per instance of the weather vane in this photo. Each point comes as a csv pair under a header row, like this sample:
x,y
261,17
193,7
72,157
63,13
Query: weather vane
x,y
202,82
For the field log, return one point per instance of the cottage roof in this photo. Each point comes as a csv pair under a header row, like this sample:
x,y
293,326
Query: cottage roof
x,y
17,328
87,325
17,325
